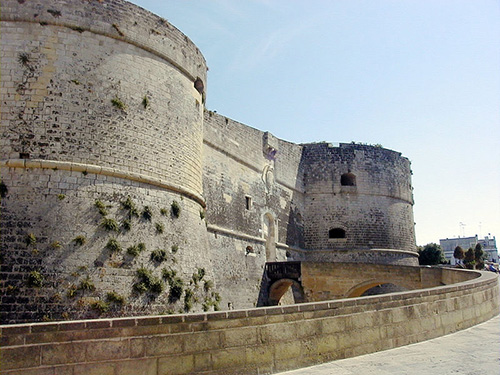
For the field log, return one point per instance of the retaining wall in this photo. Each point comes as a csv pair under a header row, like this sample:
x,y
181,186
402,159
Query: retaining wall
x,y
255,341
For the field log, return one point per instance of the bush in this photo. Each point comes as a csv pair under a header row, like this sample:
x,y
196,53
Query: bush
x,y
80,240
430,254
176,289
101,207
86,284
148,282
110,224
113,245
100,306
175,209
159,255
147,213
115,297
159,228
30,239
35,279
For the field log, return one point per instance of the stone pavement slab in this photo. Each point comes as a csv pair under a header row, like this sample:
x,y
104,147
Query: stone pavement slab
x,y
473,351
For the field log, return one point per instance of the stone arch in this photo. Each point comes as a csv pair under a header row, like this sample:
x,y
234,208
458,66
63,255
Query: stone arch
x,y
280,287
360,289
269,230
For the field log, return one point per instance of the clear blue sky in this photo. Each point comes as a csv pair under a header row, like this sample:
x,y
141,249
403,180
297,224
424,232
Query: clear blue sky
x,y
421,77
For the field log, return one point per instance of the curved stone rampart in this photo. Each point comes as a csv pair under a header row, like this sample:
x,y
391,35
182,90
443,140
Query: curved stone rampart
x,y
255,341
357,197
102,135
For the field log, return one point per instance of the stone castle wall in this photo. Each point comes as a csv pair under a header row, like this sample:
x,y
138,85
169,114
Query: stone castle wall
x,y
373,207
253,341
99,105
103,109
251,209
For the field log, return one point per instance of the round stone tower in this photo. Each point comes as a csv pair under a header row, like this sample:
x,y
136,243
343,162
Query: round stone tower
x,y
101,181
358,205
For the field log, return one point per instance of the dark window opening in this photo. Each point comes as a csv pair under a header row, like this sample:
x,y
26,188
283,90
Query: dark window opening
x,y
348,179
24,155
199,86
248,202
336,233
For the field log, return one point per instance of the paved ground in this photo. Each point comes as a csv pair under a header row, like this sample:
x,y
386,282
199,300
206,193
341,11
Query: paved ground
x,y
474,351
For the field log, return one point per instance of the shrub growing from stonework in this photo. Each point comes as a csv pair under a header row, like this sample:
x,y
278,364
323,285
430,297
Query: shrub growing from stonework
x,y
430,254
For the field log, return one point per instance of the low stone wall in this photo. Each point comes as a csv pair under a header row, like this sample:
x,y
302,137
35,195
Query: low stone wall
x,y
255,341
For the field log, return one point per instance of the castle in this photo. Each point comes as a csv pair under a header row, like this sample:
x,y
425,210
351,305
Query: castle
x,y
123,195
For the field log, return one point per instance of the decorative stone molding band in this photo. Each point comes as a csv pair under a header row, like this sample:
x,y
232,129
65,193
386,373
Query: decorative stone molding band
x,y
106,171
216,229
389,251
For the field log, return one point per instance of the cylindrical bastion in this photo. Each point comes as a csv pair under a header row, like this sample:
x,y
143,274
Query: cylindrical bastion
x,y
101,123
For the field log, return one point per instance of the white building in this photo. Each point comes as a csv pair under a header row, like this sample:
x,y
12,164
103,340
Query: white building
x,y
488,244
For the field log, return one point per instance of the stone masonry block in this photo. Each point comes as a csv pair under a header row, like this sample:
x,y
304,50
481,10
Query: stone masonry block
x,y
19,357
178,364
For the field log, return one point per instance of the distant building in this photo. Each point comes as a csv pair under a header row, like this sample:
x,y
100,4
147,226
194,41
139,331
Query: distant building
x,y
488,244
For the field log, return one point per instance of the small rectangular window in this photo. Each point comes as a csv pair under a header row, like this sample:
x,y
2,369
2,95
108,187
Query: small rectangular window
x,y
248,202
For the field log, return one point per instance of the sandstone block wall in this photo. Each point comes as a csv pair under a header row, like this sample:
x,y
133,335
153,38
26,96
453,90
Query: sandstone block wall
x,y
256,341
99,104
375,212
254,204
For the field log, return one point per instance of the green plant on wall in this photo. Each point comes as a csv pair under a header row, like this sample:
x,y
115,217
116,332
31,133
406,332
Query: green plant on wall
x,y
147,213
100,306
175,209
148,282
159,255
110,224
188,300
80,240
160,228
86,284
56,245
136,249
101,207
30,239
145,102
198,275
24,59
115,298
35,279
117,103
113,245
126,225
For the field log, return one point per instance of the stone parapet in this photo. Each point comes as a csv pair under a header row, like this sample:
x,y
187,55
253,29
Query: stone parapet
x,y
253,341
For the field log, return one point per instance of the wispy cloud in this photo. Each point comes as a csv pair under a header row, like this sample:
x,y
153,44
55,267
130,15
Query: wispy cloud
x,y
267,47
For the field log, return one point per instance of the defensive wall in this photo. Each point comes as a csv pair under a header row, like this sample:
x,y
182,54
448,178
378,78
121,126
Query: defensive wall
x,y
255,341
102,133
116,181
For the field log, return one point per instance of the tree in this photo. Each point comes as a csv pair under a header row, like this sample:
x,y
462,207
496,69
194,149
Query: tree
x,y
469,259
479,256
459,254
430,254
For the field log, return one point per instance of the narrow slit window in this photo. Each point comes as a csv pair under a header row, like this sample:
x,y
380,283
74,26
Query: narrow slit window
x,y
248,202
